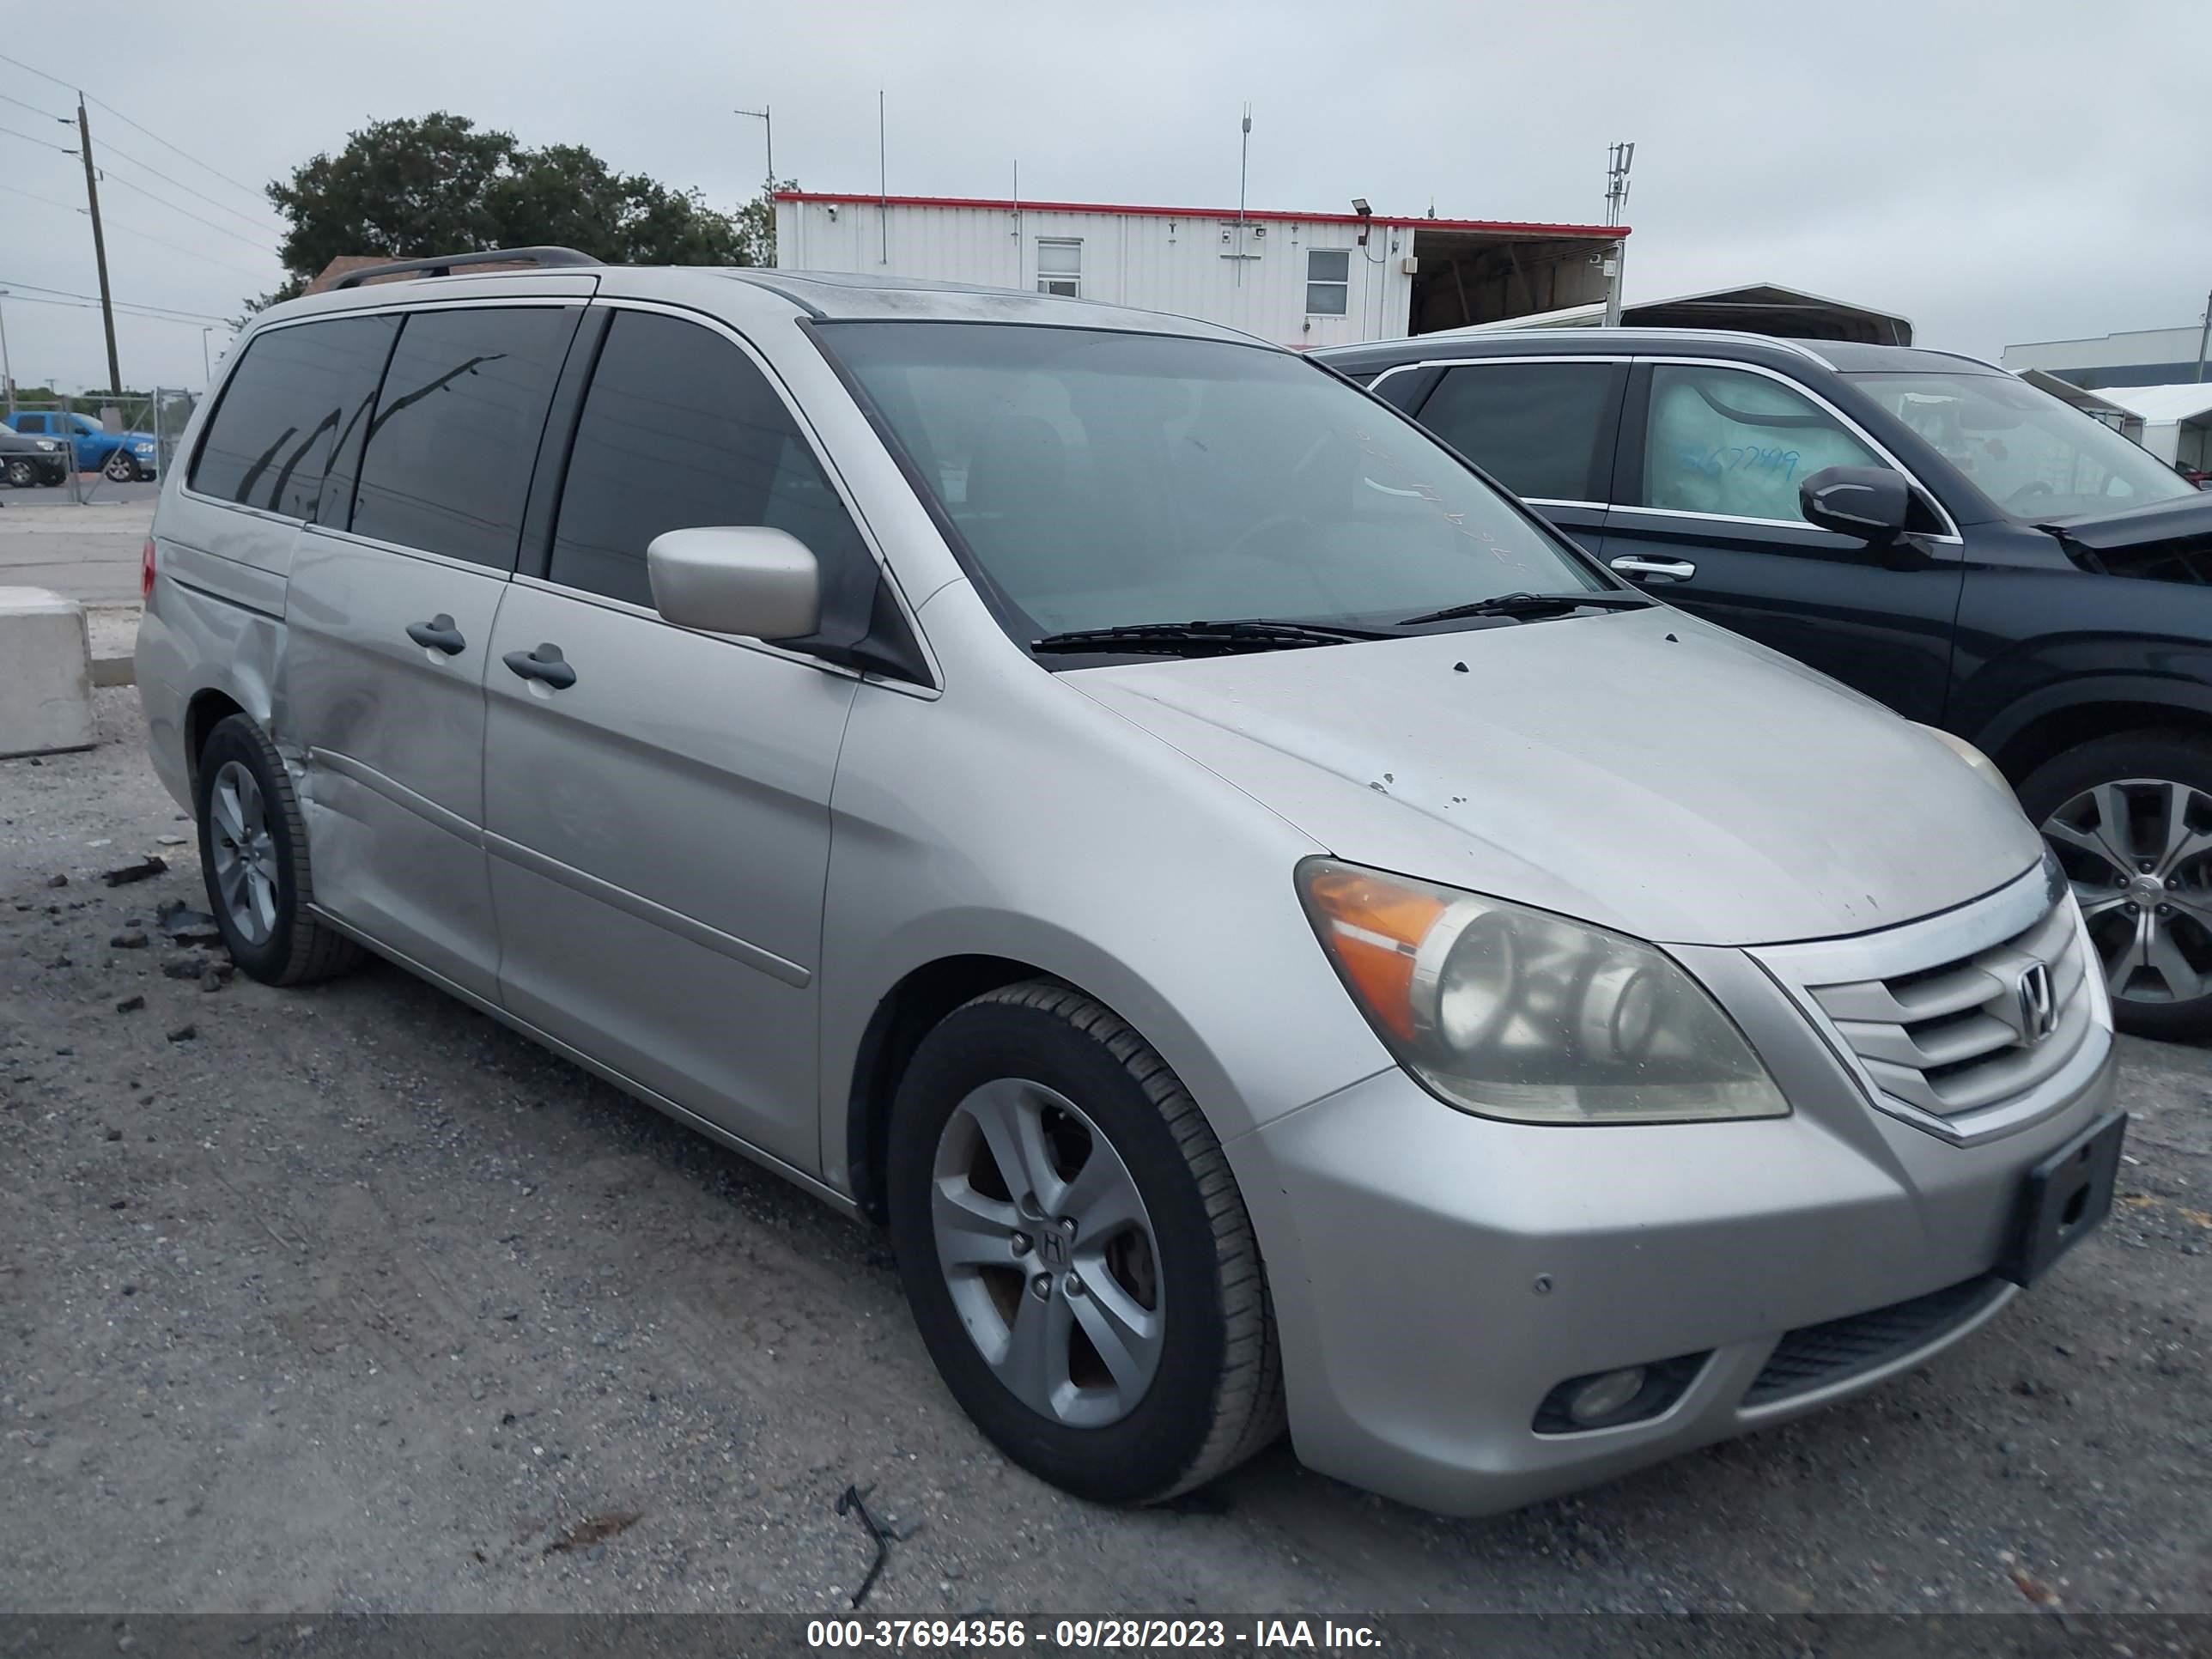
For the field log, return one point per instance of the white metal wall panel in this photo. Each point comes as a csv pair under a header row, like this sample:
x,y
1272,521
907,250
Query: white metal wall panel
x,y
1149,261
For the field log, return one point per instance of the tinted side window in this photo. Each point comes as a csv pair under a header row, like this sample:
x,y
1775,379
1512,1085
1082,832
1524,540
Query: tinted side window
x,y
680,430
1722,440
1543,431
456,428
296,392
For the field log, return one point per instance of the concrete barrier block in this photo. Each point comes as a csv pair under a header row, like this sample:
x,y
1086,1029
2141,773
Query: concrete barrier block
x,y
45,673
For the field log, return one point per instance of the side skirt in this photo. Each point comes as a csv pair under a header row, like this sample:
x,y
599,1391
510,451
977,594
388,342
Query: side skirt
x,y
683,1115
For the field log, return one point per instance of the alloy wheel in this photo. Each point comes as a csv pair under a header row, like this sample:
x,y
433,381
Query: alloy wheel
x,y
245,852
1050,1255
2139,853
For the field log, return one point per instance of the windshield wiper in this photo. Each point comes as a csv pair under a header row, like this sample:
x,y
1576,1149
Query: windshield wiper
x,y
1526,606
1176,639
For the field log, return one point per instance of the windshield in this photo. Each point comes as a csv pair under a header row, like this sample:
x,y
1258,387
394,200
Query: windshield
x,y
2035,457
1101,479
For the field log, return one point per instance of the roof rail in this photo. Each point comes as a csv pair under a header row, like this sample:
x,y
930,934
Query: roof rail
x,y
445,264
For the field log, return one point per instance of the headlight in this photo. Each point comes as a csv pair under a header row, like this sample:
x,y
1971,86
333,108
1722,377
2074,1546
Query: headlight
x,y
48,444
1515,1013
1975,759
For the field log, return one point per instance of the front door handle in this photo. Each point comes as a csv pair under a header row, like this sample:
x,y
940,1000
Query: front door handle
x,y
545,663
438,634
1658,570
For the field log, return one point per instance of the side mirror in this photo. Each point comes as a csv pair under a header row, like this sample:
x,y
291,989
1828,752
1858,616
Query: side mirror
x,y
1870,502
735,579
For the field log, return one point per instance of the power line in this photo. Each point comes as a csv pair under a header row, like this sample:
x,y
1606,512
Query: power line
x,y
236,236
187,155
133,230
71,294
44,142
108,152
34,108
66,207
67,86
93,305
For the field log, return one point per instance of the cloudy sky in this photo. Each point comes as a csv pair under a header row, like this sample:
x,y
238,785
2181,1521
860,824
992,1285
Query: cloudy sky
x,y
1997,173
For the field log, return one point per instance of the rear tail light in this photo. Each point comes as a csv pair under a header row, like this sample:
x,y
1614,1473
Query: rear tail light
x,y
146,571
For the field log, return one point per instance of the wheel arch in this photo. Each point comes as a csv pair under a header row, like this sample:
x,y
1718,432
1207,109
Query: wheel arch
x,y
2038,728
925,991
204,710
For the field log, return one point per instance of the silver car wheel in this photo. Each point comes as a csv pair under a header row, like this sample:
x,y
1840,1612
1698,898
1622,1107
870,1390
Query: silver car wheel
x,y
2139,853
245,852
1045,1244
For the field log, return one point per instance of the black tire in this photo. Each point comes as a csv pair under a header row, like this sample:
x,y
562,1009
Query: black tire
x,y
1217,1397
2172,758
299,949
121,468
21,474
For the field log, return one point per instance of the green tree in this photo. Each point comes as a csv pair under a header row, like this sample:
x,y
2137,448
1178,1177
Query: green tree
x,y
411,188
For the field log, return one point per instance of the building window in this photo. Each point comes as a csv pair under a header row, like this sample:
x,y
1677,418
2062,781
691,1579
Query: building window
x,y
1059,266
1329,282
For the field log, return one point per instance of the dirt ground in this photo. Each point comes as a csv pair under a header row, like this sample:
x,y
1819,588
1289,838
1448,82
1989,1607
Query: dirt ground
x,y
350,1299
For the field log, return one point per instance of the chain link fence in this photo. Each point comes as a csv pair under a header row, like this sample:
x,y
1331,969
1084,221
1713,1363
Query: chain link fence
x,y
107,442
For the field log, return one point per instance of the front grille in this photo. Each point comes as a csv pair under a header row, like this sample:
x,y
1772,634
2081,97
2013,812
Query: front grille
x,y
1953,1036
1814,1355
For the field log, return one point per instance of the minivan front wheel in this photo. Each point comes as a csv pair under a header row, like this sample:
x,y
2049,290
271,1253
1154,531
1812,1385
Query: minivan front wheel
x,y
253,849
2130,819
1076,1252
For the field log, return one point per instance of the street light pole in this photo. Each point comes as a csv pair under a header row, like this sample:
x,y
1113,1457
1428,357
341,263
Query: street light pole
x,y
766,116
2201,334
207,373
7,372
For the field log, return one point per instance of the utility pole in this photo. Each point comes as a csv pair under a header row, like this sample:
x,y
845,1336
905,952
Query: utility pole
x,y
7,370
1243,168
207,373
1617,160
2201,334
765,115
882,180
98,247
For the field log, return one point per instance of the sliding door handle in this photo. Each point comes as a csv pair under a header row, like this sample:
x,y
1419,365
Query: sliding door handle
x,y
545,664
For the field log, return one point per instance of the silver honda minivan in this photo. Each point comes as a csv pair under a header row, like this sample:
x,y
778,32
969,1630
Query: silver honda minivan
x,y
1279,935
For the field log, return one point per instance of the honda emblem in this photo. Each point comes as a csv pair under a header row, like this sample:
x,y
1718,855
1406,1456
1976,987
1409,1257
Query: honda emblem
x,y
2039,1003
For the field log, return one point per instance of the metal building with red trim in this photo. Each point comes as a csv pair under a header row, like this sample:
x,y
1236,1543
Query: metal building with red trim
x,y
1302,279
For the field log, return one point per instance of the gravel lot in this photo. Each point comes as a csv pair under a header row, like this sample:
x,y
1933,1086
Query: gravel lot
x,y
351,1299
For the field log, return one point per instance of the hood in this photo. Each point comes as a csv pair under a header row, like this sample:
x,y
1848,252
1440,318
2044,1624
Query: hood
x,y
2171,540
1641,770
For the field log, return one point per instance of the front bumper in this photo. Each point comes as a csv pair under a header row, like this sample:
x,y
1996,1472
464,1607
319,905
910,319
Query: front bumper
x,y
1436,1275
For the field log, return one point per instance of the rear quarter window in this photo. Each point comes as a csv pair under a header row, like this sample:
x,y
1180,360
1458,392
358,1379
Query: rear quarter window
x,y
1543,431
296,394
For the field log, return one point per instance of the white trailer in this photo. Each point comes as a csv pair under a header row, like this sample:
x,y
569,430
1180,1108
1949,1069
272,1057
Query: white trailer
x,y
1299,279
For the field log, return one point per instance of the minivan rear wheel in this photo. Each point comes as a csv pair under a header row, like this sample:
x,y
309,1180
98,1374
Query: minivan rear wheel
x,y
253,849
2131,818
1076,1252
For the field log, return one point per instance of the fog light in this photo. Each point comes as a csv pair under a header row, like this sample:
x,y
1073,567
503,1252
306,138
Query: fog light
x,y
1604,1394
1606,1400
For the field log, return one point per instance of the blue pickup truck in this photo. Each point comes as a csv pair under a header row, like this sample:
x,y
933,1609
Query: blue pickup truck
x,y
122,456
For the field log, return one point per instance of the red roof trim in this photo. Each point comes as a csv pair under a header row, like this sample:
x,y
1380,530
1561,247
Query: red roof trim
x,y
1269,215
